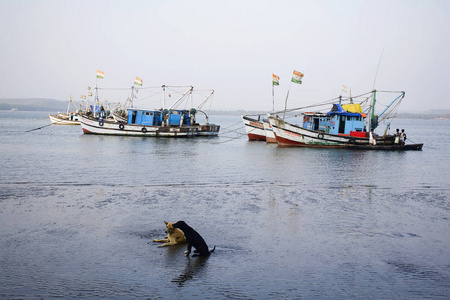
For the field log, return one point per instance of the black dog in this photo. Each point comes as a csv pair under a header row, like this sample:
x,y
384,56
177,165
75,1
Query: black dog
x,y
194,239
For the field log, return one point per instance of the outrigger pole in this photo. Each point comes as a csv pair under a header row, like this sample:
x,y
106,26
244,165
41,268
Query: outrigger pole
x,y
181,98
204,101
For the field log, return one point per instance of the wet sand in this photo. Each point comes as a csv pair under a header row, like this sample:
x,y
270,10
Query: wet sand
x,y
274,242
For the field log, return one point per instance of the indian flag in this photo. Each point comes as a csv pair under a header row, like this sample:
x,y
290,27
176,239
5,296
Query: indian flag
x,y
100,74
275,79
297,77
138,81
89,94
344,89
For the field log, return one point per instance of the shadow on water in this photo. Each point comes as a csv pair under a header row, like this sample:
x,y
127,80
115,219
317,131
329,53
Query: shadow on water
x,y
193,267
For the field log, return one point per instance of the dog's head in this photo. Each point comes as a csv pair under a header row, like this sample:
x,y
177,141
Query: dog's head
x,y
169,227
180,225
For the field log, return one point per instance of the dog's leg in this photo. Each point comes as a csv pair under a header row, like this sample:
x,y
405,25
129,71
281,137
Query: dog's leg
x,y
188,250
169,243
162,241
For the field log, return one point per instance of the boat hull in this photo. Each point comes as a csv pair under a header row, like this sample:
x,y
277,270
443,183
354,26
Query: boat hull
x,y
57,120
103,127
291,135
395,147
270,135
254,128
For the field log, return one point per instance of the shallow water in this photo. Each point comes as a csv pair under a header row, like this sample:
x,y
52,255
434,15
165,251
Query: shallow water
x,y
78,214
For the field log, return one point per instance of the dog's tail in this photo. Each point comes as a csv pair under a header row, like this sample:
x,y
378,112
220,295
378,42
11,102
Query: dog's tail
x,y
212,249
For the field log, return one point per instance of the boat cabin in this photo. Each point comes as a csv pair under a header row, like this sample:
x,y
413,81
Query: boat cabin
x,y
158,117
316,121
347,119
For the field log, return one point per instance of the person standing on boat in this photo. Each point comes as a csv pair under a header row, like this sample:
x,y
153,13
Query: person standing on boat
x,y
402,137
372,140
397,136
102,112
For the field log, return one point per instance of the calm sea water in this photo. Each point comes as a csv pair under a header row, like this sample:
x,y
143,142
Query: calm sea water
x,y
78,214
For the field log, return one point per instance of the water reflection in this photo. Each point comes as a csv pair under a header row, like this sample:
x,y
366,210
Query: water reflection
x,y
194,267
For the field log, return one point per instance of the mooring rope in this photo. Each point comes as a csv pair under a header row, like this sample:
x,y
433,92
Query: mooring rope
x,y
42,126
231,139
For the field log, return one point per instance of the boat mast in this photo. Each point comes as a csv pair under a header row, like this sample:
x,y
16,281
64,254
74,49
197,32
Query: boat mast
x,y
96,101
273,97
132,96
68,106
372,110
164,97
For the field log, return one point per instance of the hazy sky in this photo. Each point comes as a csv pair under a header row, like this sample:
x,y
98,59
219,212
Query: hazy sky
x,y
51,49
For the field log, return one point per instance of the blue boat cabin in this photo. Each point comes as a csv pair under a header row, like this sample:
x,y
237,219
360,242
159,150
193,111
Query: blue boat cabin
x,y
158,117
341,120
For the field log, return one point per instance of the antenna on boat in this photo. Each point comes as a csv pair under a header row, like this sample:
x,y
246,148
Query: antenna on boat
x,y
376,73
372,114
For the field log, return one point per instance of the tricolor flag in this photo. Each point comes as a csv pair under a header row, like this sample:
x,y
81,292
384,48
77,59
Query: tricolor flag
x,y
100,74
71,96
89,88
344,88
297,77
89,94
138,81
275,79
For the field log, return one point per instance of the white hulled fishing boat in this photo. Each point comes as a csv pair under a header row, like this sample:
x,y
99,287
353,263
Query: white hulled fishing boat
x,y
68,118
172,122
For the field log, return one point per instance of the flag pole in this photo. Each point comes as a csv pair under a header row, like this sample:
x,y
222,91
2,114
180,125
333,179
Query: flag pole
x,y
273,97
285,102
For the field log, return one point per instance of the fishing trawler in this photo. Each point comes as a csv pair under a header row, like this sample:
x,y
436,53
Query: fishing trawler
x,y
151,123
344,126
172,122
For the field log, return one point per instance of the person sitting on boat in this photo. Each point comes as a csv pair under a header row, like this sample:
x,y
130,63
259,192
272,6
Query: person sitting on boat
x,y
372,140
402,137
397,136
